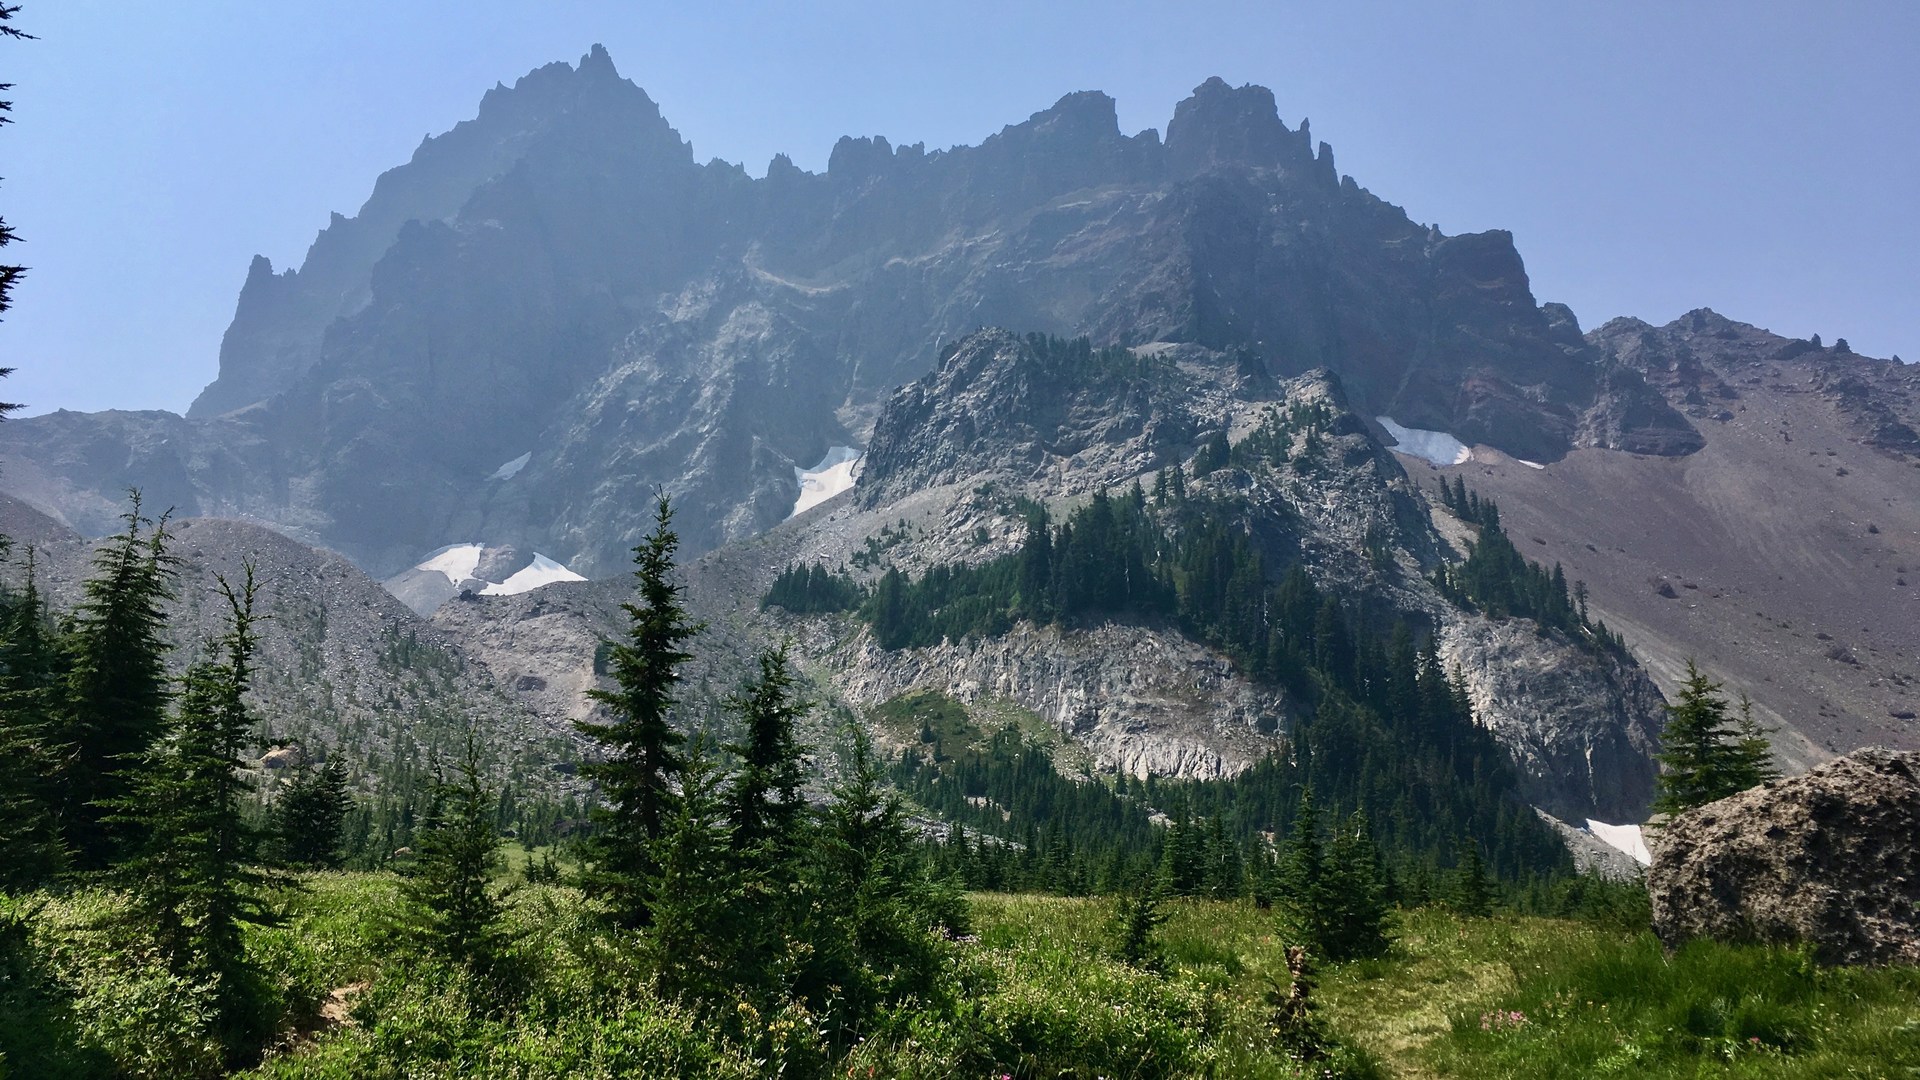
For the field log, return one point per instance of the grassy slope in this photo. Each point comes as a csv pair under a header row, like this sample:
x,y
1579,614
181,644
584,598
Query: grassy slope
x,y
1559,998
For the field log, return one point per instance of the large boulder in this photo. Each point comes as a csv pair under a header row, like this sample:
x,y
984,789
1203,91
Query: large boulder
x,y
1831,858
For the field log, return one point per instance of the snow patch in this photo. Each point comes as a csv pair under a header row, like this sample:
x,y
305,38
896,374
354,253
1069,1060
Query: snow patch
x,y
512,468
833,475
457,561
1435,446
1530,464
541,571
1626,838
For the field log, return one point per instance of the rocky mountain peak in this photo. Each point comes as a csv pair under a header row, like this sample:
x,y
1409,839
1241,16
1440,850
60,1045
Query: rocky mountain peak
x,y
1220,125
280,320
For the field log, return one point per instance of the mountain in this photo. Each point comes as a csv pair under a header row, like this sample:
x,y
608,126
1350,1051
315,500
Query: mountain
x,y
553,308
1784,556
1005,424
557,282
341,667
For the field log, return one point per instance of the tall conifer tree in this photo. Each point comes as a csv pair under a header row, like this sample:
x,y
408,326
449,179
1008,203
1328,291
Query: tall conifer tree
x,y
310,815
117,686
643,760
30,848
192,874
1707,754
451,908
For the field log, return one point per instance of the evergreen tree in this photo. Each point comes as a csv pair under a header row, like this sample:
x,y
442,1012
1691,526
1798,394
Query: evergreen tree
x,y
765,803
1472,888
1303,875
310,816
1135,926
191,877
642,747
117,687
10,275
873,908
31,852
765,809
1706,755
693,890
450,907
1358,923
1213,454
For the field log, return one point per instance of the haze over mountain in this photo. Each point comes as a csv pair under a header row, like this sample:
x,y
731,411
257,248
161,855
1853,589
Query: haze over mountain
x,y
559,277
553,309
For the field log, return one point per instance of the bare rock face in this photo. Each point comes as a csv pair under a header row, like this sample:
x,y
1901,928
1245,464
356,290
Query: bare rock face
x,y
1831,857
1143,701
1582,726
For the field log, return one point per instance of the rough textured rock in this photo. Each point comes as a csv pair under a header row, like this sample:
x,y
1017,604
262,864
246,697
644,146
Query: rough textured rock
x,y
1831,858
1582,728
559,278
1142,701
995,428
1783,556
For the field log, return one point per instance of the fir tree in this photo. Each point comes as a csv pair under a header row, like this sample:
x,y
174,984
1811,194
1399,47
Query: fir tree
x,y
873,907
117,687
1706,755
310,816
693,890
1135,927
31,852
10,274
1303,875
450,907
1213,454
1472,888
1358,923
765,801
642,747
191,877
765,809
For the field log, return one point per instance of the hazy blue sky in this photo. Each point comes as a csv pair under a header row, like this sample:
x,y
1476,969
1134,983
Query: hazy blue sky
x,y
1761,158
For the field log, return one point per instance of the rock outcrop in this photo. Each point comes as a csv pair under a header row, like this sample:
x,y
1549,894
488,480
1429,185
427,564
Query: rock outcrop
x,y
1830,858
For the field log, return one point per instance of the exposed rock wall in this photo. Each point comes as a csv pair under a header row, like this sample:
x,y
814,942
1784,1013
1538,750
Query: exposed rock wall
x,y
1582,729
1143,701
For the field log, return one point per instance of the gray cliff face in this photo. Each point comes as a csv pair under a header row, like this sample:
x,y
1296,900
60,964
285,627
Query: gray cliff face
x,y
279,326
558,277
1582,729
1141,701
1700,360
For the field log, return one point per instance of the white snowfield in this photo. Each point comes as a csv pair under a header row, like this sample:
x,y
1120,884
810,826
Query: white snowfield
x,y
459,561
1435,446
512,468
1626,838
833,475
541,571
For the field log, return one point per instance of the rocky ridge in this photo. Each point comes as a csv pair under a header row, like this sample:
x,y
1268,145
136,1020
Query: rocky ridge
x,y
559,279
1135,697
341,666
1783,557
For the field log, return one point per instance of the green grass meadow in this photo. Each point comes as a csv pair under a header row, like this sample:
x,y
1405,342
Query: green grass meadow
x,y
1034,993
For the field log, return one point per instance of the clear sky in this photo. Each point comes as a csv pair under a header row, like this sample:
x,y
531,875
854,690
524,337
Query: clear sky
x,y
1759,157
